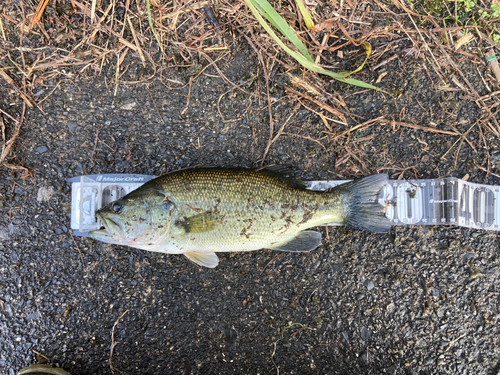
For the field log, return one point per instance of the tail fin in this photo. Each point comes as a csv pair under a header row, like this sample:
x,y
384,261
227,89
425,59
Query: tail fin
x,y
362,209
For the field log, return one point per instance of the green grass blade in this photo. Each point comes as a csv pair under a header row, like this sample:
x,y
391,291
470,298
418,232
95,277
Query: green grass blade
x,y
277,21
305,14
338,76
305,62
148,8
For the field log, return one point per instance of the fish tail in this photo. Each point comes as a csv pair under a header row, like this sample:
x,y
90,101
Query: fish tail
x,y
362,211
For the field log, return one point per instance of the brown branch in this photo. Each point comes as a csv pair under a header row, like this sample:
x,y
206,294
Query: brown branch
x,y
113,344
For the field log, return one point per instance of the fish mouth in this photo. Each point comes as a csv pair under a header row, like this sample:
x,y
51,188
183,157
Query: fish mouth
x,y
111,231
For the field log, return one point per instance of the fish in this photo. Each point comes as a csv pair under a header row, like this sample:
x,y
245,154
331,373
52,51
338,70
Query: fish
x,y
201,211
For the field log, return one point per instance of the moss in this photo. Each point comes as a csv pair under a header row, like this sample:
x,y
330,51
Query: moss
x,y
435,7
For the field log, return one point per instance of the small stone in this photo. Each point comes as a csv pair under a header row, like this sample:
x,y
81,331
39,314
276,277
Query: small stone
x,y
369,284
366,356
129,105
4,234
41,149
72,126
8,310
495,157
468,256
45,193
33,316
123,164
336,267
366,334
495,271
421,343
391,307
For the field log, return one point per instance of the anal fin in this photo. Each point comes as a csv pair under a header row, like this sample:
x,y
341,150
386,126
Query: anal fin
x,y
307,240
203,258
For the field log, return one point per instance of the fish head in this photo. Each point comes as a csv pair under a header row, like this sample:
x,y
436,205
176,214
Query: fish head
x,y
137,220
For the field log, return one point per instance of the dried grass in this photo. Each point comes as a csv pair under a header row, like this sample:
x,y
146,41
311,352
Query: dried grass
x,y
82,37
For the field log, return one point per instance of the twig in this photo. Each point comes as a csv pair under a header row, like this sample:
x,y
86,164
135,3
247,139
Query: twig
x,y
185,270
41,355
113,344
364,124
3,129
486,150
326,107
188,96
487,171
50,93
19,91
459,139
385,61
275,258
424,128
78,248
139,49
212,62
1,28
96,141
269,144
269,104
220,112
92,11
98,26
38,13
154,103
393,123
306,137
108,29
8,144
9,116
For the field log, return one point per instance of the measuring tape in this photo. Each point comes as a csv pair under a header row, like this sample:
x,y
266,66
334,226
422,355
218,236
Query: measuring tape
x,y
441,201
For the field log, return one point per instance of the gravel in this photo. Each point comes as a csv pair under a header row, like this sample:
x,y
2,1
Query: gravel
x,y
418,300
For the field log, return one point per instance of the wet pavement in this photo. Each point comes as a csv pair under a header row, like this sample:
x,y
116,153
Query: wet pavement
x,y
418,300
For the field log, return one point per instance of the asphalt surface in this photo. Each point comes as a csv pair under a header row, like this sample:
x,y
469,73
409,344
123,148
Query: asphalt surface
x,y
418,300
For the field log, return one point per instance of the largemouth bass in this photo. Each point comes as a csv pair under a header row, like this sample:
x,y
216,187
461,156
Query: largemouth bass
x,y
198,212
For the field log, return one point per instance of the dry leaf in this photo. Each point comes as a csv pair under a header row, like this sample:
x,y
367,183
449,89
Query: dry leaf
x,y
324,25
380,77
463,40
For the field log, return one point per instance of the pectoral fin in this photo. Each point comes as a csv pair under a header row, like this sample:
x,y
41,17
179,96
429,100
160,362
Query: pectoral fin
x,y
307,240
204,222
203,258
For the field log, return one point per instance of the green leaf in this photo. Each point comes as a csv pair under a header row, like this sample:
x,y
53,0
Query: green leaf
x,y
277,21
305,14
148,8
307,63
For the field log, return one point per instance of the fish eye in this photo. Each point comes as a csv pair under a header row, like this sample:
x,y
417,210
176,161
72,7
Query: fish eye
x,y
117,208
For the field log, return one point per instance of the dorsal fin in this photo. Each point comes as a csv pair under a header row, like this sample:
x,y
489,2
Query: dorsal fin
x,y
287,173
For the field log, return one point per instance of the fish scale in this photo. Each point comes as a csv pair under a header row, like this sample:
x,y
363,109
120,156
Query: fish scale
x,y
198,212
